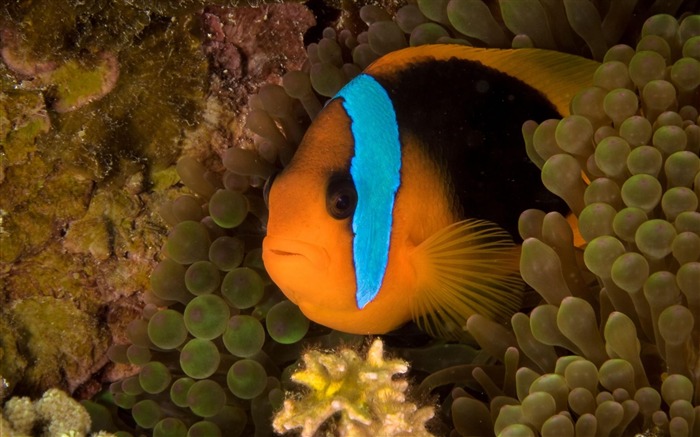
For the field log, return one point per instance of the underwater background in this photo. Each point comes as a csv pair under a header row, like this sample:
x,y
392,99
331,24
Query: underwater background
x,y
135,139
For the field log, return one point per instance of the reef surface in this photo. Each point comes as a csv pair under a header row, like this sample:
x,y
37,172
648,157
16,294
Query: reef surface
x,y
98,102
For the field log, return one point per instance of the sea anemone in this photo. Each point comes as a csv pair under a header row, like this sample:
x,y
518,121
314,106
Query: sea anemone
x,y
619,315
609,347
613,347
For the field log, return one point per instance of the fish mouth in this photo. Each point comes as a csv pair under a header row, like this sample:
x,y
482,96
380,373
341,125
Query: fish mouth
x,y
289,250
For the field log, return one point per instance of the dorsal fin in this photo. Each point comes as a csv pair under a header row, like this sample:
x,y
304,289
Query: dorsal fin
x,y
559,76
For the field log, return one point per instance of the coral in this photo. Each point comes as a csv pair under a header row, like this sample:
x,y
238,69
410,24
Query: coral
x,y
19,415
62,413
363,396
71,84
54,414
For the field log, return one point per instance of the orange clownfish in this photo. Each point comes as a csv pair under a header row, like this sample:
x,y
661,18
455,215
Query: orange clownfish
x,y
403,197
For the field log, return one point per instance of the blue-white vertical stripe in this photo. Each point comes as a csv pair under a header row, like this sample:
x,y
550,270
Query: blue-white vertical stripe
x,y
375,170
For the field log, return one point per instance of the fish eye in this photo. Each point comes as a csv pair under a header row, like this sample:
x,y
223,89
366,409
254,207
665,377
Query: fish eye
x,y
341,198
267,186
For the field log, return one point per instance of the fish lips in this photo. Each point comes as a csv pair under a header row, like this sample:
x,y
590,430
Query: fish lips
x,y
288,261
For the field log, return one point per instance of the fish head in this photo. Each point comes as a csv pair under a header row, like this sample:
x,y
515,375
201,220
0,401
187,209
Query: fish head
x,y
308,249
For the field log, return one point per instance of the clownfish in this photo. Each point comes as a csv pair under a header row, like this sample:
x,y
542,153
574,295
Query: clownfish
x,y
402,201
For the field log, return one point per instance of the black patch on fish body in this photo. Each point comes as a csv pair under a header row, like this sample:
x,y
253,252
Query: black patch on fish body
x,y
469,118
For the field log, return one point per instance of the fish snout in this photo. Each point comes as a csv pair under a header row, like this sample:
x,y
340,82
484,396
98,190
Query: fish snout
x,y
293,265
278,250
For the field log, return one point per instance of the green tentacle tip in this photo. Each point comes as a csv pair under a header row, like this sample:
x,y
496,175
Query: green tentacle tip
x,y
285,323
246,379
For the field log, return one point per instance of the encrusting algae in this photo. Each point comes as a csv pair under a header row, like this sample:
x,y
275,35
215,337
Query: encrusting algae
x,y
83,152
609,346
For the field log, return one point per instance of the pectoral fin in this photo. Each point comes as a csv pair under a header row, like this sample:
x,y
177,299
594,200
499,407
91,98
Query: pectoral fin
x,y
468,267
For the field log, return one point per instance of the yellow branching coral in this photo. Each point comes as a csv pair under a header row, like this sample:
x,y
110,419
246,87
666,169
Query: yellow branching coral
x,y
364,393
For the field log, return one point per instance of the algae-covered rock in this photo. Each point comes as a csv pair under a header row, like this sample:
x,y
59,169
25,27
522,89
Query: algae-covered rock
x,y
12,362
37,198
105,226
76,85
22,118
55,330
127,79
95,99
